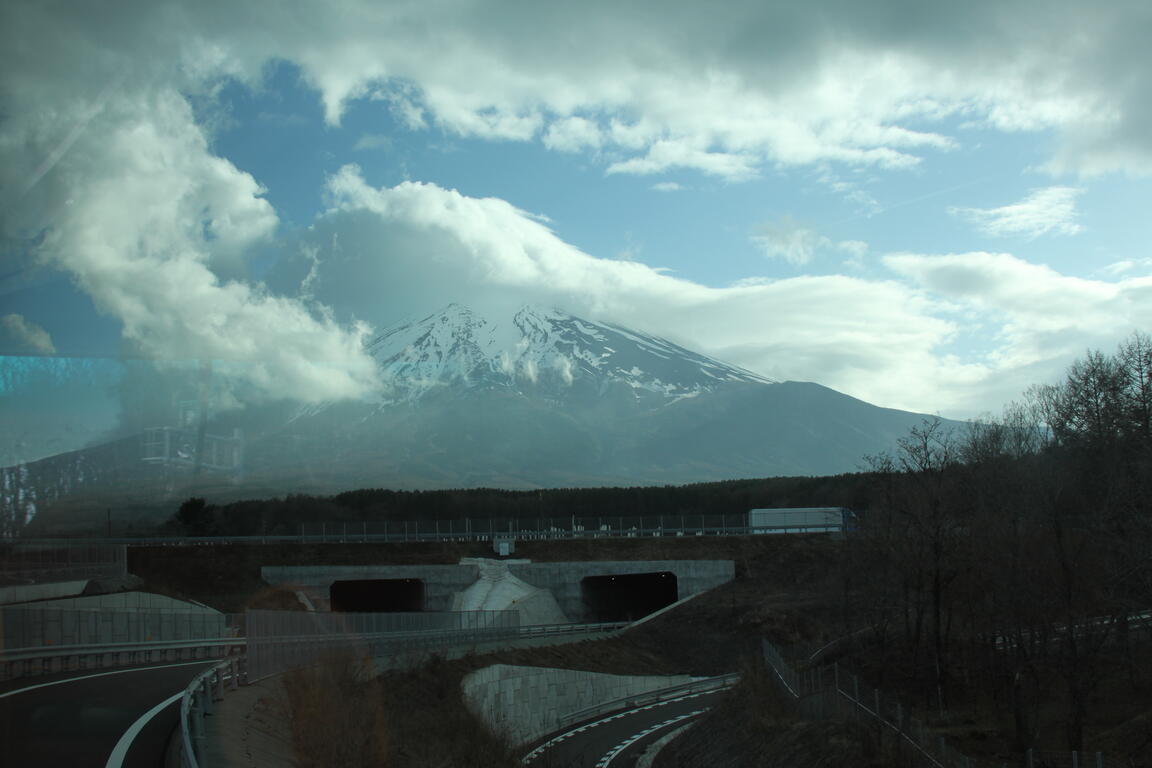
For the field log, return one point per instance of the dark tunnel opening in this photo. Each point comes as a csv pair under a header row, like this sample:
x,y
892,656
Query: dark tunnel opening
x,y
626,596
377,595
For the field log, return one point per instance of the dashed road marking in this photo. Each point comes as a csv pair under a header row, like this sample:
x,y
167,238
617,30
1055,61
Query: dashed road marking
x,y
605,761
535,753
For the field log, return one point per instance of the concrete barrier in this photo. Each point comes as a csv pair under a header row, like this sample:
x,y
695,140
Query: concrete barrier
x,y
529,702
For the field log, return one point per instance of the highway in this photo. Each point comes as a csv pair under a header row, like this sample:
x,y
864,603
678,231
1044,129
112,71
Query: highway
x,y
619,739
99,719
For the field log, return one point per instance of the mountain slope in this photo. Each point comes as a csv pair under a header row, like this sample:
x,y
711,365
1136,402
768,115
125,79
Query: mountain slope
x,y
547,399
540,352
537,399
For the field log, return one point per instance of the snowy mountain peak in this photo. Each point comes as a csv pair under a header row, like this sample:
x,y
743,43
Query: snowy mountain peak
x,y
543,351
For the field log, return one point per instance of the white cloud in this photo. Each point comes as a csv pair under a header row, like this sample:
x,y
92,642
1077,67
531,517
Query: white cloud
x,y
100,151
25,335
1051,210
1043,316
667,186
573,134
408,248
132,204
373,141
888,341
1126,266
797,244
759,85
787,239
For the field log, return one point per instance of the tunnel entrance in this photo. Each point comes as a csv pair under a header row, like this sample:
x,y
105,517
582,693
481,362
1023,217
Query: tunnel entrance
x,y
626,596
377,595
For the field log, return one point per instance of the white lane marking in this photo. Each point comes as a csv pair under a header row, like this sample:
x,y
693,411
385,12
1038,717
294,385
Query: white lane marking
x,y
605,761
100,674
116,760
625,713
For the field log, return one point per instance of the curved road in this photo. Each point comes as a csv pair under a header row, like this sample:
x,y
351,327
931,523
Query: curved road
x,y
93,718
618,740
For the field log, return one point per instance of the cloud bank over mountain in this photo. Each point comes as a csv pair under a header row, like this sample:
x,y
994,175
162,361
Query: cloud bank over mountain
x,y
111,175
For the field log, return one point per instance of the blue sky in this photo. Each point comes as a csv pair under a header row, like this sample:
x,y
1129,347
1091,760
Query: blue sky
x,y
927,210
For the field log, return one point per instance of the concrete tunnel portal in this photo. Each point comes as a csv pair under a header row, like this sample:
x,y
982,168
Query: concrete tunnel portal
x,y
627,596
377,595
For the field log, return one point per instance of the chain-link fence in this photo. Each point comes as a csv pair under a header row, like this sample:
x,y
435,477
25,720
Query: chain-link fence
x,y
22,564
830,693
283,640
528,528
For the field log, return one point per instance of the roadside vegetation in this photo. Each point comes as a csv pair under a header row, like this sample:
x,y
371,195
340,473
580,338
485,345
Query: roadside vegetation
x,y
1005,571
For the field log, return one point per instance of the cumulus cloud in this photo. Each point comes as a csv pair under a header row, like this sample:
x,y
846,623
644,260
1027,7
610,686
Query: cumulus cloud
x,y
572,134
23,335
117,182
1042,315
406,248
755,86
1051,210
109,171
789,240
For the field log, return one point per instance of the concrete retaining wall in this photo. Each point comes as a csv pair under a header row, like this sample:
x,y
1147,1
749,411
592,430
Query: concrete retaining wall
x,y
529,702
442,582
563,579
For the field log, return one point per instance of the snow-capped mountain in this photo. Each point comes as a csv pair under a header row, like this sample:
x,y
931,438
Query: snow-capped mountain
x,y
535,399
540,351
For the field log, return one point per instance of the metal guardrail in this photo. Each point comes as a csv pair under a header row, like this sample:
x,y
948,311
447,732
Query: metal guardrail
x,y
201,694
200,699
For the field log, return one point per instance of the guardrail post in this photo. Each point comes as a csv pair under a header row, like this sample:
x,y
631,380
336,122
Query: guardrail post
x,y
206,694
196,726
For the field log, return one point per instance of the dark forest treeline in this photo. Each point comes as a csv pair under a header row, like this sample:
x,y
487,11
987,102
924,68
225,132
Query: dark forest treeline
x,y
730,498
1008,561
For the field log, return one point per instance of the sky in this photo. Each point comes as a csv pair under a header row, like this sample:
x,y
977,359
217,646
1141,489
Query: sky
x,y
928,206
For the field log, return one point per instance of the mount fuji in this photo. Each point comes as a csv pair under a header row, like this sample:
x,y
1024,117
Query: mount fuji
x,y
544,398
541,352
534,399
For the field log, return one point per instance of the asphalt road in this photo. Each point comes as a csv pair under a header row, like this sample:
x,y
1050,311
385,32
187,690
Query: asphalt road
x,y
79,720
618,740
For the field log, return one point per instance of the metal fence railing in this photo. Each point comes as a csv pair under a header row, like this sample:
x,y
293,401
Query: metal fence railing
x,y
34,563
830,693
487,529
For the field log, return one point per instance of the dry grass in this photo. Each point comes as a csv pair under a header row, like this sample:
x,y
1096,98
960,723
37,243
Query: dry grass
x,y
432,725
338,718
754,725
